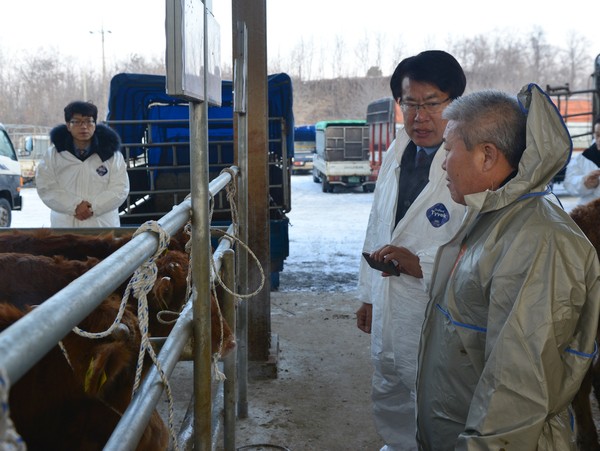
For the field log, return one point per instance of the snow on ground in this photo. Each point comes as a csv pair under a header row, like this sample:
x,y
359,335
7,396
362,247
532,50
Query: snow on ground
x,y
326,233
34,213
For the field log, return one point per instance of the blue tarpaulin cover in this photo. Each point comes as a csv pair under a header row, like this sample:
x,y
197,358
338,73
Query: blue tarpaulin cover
x,y
305,133
143,97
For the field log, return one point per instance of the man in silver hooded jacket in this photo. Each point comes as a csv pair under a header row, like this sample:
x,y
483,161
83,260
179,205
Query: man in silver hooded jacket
x,y
509,330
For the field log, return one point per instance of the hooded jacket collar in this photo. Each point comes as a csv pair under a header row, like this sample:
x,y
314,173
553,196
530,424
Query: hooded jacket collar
x,y
105,141
548,150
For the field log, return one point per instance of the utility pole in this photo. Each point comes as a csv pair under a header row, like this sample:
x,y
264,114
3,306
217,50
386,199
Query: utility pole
x,y
102,32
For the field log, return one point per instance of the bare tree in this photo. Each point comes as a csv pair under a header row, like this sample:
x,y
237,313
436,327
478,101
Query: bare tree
x,y
540,55
320,68
398,50
378,50
45,79
361,52
301,59
576,55
36,86
337,59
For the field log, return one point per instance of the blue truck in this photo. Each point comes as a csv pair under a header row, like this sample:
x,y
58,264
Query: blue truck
x,y
304,148
154,130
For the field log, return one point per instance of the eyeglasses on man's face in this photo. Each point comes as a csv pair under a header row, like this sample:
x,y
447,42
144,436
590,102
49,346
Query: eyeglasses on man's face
x,y
86,123
429,107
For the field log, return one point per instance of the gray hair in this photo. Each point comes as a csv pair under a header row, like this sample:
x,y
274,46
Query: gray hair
x,y
490,116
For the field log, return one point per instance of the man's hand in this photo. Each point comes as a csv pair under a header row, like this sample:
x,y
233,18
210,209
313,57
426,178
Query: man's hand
x,y
363,317
591,180
84,210
407,262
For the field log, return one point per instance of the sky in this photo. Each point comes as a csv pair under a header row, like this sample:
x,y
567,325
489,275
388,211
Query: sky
x,y
76,28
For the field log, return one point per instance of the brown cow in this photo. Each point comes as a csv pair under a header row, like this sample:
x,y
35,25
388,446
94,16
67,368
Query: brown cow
x,y
73,402
87,416
168,293
31,279
70,245
47,275
587,218
73,246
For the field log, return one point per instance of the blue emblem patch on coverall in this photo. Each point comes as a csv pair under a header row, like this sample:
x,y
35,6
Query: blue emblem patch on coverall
x,y
438,215
102,170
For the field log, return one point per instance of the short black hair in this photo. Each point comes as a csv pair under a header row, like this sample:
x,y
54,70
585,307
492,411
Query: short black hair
x,y
431,66
86,109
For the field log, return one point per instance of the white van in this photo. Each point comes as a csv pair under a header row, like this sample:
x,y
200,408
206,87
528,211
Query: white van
x,y
10,179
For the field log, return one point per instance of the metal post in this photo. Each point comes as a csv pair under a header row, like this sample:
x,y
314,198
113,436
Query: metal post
x,y
201,274
229,310
200,267
240,105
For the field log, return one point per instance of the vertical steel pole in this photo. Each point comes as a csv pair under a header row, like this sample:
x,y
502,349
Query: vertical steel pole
x,y
200,265
229,386
239,107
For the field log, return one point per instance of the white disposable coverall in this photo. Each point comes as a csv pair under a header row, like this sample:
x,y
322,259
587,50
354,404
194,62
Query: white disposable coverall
x,y
63,181
399,302
509,331
578,168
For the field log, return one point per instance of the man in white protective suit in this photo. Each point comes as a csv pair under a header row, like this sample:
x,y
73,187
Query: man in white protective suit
x,y
582,177
83,177
509,332
412,215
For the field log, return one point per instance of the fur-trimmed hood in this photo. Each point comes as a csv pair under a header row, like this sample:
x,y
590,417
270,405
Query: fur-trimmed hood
x,y
105,141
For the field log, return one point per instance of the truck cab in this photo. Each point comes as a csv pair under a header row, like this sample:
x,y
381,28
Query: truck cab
x,y
10,179
342,155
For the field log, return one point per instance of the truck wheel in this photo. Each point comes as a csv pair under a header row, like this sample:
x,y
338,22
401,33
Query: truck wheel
x,y
368,188
325,185
315,176
5,213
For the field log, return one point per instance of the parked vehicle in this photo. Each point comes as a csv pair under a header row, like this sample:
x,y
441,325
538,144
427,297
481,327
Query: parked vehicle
x,y
30,155
154,130
383,121
342,156
10,179
304,149
579,109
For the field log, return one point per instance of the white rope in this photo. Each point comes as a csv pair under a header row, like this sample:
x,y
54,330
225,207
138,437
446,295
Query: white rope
x,y
254,257
231,190
10,440
139,285
218,375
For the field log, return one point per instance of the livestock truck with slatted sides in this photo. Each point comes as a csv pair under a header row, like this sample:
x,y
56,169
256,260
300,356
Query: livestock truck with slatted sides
x,y
342,155
383,119
579,109
154,130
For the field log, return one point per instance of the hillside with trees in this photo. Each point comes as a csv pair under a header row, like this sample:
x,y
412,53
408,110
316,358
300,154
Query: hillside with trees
x,y
35,87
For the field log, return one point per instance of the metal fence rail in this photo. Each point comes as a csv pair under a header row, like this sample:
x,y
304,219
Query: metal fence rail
x,y
25,342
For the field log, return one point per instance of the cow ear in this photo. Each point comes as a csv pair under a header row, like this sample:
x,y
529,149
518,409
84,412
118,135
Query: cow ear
x,y
95,377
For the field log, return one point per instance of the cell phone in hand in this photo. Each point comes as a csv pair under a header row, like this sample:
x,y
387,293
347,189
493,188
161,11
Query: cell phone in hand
x,y
387,267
